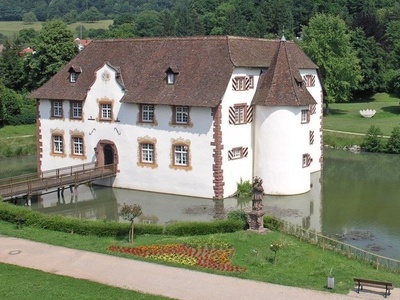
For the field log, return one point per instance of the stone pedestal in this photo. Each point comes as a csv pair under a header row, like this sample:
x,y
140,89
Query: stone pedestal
x,y
255,217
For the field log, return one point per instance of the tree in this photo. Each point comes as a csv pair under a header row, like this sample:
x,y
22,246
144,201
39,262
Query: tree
x,y
372,62
373,140
29,18
167,22
11,103
129,213
91,15
11,65
147,24
53,47
326,40
393,144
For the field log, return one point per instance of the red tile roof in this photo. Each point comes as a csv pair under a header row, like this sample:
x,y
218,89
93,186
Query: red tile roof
x,y
203,65
281,84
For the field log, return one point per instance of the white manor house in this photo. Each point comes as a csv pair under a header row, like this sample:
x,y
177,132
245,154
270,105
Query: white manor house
x,y
190,116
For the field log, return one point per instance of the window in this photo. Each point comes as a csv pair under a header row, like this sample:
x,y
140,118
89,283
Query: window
x,y
76,110
77,145
180,155
243,83
72,77
238,152
305,116
181,115
311,137
240,114
106,111
58,144
171,78
147,153
57,109
147,113
309,80
306,160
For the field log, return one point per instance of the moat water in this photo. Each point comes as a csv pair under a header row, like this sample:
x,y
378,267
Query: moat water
x,y
355,199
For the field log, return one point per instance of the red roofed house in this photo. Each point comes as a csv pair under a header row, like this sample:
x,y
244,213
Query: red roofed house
x,y
190,116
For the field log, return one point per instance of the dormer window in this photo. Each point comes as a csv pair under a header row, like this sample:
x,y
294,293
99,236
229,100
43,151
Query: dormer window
x,y
74,72
72,77
171,76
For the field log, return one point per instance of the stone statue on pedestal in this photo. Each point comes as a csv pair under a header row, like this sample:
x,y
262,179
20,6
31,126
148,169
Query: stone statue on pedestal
x,y
255,217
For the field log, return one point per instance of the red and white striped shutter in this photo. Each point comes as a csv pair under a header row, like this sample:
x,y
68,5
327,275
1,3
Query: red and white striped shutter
x,y
231,115
250,109
247,82
245,151
312,108
234,84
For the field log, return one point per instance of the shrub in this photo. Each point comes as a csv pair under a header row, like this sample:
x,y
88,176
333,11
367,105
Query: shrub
x,y
203,228
393,144
373,140
238,215
244,188
271,223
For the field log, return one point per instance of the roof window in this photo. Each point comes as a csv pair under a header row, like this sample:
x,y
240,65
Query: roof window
x,y
171,76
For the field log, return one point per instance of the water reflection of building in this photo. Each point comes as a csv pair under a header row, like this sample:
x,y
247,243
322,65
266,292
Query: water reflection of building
x,y
95,202
303,210
90,203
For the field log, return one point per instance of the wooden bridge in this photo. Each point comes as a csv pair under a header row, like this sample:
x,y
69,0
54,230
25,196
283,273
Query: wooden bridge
x,y
30,184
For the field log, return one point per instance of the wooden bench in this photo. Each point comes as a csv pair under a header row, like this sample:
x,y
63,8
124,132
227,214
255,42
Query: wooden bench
x,y
360,283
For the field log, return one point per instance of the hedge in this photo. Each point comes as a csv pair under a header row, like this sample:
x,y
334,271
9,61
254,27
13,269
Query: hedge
x,y
202,228
22,216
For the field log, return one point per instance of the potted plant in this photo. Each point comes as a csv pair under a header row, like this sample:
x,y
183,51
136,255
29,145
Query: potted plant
x,y
331,280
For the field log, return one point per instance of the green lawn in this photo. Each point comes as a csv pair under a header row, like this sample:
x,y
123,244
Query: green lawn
x,y
299,263
10,28
15,131
18,283
346,116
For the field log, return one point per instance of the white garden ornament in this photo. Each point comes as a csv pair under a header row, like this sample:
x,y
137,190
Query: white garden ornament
x,y
368,113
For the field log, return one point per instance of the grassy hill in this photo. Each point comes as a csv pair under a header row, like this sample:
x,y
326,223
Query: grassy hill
x,y
12,27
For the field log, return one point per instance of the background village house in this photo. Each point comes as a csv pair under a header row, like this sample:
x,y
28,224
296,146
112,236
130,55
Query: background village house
x,y
191,116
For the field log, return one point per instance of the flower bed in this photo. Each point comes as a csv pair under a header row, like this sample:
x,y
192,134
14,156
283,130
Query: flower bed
x,y
217,259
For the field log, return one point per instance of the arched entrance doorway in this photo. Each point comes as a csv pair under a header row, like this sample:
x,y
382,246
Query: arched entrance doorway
x,y
106,153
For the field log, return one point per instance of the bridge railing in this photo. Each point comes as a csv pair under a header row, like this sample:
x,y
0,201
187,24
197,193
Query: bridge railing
x,y
49,173
57,178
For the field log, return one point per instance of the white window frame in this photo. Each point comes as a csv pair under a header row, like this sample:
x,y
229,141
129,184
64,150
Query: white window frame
x,y
77,145
106,111
305,116
306,160
76,109
181,115
57,109
72,77
147,113
237,153
240,114
171,77
58,144
181,155
147,153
